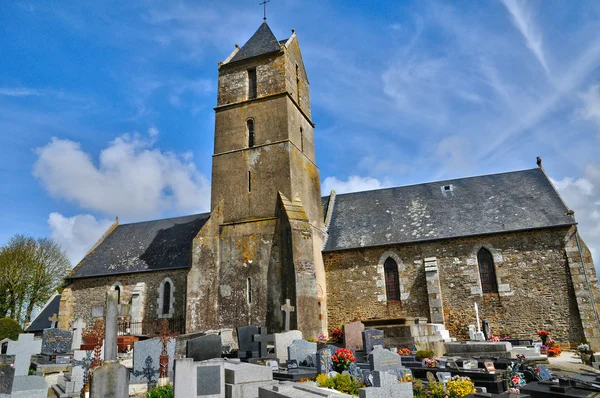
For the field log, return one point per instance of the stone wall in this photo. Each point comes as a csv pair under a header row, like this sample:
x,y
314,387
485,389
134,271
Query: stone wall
x,y
83,294
534,283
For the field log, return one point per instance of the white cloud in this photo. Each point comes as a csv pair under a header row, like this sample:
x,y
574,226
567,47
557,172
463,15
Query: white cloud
x,y
583,196
77,234
455,151
591,105
524,23
19,92
353,184
132,178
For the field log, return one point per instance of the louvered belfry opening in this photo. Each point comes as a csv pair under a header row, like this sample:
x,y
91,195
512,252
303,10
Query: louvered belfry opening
x,y
487,271
392,285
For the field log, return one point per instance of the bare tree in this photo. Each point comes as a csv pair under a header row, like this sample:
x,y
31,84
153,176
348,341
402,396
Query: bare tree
x,y
33,269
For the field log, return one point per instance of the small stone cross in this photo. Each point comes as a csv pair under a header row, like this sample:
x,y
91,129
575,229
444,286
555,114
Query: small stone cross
x,y
23,349
263,339
287,308
53,321
77,328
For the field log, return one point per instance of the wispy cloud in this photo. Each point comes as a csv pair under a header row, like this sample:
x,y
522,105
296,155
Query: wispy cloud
x,y
20,92
524,22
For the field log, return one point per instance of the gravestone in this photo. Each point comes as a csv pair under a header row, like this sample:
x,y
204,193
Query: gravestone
x,y
80,371
204,347
7,375
288,309
472,332
353,335
29,387
248,348
56,341
110,326
303,352
384,360
386,385
371,338
283,341
146,358
77,330
23,349
111,380
324,361
263,339
242,380
487,329
199,379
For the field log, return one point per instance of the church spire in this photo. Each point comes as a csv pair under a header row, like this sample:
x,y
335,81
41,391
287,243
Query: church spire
x,y
263,41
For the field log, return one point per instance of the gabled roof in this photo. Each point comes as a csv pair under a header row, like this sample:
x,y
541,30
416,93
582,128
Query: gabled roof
x,y
41,321
262,42
487,204
144,246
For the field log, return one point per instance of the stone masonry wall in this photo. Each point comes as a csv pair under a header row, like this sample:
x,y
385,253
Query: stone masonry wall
x,y
535,287
89,292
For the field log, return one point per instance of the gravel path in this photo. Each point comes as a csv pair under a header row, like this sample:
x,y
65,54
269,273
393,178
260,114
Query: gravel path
x,y
568,363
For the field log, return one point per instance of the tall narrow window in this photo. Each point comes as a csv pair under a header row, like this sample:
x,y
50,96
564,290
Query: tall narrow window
x,y
249,182
166,298
301,140
251,83
392,283
118,289
487,271
250,126
297,83
249,291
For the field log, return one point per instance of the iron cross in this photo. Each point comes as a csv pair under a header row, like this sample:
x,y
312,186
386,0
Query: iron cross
x,y
264,4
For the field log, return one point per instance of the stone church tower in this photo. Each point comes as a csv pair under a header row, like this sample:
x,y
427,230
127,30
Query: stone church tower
x,y
263,241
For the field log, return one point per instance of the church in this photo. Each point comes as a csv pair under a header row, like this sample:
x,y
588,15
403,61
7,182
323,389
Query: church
x,y
506,241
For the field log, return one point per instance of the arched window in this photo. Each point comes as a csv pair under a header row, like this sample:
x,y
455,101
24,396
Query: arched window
x,y
118,289
250,126
392,284
166,297
487,271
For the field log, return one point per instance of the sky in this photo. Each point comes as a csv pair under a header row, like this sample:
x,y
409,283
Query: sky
x,y
106,108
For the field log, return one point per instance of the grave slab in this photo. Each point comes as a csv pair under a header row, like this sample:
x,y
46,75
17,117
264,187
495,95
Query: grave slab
x,y
29,387
295,390
303,352
199,379
203,348
353,335
7,375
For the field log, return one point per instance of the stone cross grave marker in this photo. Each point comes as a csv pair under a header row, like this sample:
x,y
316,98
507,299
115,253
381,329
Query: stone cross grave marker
x,y
77,329
23,349
353,335
303,352
53,321
204,347
80,371
371,338
263,339
287,308
283,341
56,341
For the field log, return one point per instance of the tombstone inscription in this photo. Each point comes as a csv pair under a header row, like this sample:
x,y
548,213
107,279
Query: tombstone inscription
x,y
371,338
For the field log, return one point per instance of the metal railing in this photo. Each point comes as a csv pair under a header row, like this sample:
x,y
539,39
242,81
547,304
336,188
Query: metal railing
x,y
149,327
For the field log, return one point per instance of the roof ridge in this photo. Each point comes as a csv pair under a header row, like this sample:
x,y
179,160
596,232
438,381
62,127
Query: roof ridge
x,y
165,219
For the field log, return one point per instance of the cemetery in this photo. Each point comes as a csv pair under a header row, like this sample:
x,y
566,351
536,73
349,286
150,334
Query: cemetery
x,y
395,360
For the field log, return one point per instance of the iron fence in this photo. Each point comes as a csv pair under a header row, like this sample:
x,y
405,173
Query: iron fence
x,y
148,327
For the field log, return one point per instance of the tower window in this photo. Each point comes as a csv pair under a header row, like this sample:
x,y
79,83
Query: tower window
x,y
249,181
487,271
392,283
250,126
249,291
118,289
301,140
251,83
297,83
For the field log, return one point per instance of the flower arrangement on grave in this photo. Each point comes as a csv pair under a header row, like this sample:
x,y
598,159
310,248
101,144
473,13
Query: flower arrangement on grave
x,y
585,352
341,383
495,339
460,386
337,336
404,352
322,337
342,359
430,363
521,357
516,379
553,348
544,334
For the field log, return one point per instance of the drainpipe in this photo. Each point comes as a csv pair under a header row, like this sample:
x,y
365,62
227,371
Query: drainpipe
x,y
587,281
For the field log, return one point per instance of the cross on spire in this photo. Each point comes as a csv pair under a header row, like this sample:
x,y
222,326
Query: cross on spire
x,y
264,4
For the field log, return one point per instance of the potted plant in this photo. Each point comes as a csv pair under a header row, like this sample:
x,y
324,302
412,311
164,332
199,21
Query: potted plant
x,y
544,334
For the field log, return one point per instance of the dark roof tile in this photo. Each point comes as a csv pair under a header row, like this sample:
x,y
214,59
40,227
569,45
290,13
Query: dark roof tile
x,y
41,321
262,42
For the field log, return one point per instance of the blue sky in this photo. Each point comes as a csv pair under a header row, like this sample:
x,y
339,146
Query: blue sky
x,y
106,107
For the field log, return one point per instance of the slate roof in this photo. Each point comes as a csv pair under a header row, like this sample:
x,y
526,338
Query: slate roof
x,y
262,42
144,246
41,322
486,204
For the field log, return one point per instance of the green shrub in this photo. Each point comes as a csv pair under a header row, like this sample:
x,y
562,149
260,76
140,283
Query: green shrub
x,y
9,328
422,354
165,391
